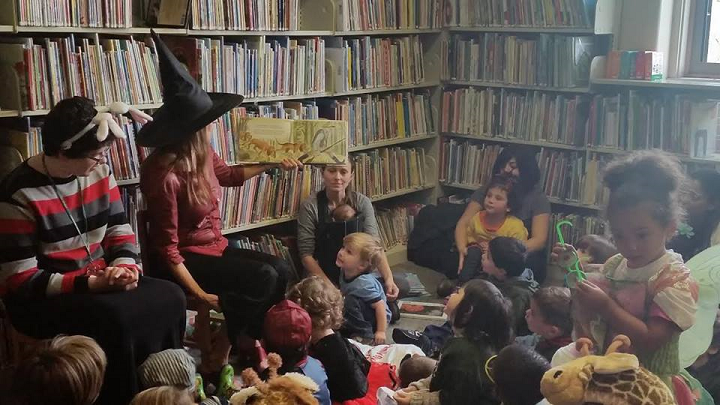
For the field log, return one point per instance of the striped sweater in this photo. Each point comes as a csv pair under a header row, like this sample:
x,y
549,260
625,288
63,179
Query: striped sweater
x,y
41,253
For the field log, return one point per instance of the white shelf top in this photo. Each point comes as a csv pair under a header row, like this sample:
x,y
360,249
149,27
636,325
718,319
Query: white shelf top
x,y
527,29
249,33
391,142
673,84
7,28
9,113
477,83
515,141
267,99
386,89
402,31
401,192
128,182
259,224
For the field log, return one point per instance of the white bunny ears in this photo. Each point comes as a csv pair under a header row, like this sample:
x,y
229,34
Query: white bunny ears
x,y
104,121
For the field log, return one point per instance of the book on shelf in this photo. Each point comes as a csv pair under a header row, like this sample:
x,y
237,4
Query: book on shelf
x,y
531,116
254,67
273,194
366,15
581,225
465,162
370,62
545,60
635,65
111,70
266,243
167,13
74,13
375,118
396,223
520,13
632,120
133,203
561,174
387,170
28,141
253,15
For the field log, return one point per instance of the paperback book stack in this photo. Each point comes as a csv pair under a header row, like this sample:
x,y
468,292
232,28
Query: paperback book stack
x,y
368,62
545,60
374,118
75,13
111,70
368,15
255,67
387,170
243,15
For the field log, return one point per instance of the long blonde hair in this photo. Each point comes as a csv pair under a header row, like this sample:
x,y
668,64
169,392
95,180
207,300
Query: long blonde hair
x,y
190,157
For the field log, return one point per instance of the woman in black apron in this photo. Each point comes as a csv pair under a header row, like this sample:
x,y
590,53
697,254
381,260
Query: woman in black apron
x,y
320,239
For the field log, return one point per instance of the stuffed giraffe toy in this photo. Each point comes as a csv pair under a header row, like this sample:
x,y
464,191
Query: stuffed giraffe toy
x,y
286,389
613,379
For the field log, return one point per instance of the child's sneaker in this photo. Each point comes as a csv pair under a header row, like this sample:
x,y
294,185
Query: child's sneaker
x,y
226,384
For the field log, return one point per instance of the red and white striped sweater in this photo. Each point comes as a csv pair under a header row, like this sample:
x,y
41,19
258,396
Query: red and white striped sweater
x,y
41,253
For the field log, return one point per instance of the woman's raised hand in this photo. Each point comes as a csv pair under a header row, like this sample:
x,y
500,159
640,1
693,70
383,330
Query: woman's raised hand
x,y
289,164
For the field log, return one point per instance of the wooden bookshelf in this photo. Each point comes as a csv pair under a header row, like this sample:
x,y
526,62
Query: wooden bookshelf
x,y
7,28
400,193
391,142
128,182
9,113
542,144
379,32
259,224
475,83
387,89
521,29
250,33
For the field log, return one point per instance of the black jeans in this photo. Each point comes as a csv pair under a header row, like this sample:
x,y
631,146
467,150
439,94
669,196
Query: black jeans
x,y
247,282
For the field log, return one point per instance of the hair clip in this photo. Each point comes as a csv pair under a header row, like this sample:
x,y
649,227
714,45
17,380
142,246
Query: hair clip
x,y
105,122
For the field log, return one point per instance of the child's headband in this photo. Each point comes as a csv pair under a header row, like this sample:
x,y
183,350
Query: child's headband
x,y
104,121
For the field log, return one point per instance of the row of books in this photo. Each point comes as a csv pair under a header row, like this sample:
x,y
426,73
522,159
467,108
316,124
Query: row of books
x,y
544,60
75,13
369,62
368,15
256,67
387,170
520,13
112,70
396,223
581,225
273,194
638,65
374,118
133,203
633,120
465,162
261,15
562,174
269,244
28,140
531,116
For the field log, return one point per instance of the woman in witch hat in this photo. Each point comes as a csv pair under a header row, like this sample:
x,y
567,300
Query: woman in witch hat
x,y
68,257
182,181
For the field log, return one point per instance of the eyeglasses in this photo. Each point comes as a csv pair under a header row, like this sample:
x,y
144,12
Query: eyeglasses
x,y
99,158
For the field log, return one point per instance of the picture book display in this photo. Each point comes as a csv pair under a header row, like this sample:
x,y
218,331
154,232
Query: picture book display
x,y
422,310
270,140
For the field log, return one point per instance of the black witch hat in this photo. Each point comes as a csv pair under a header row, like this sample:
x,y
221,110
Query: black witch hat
x,y
186,108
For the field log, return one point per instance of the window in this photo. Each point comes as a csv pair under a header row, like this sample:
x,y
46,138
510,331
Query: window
x,y
705,49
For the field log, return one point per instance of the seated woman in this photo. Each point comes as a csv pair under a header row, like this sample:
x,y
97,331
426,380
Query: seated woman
x,y
182,181
320,240
68,257
534,209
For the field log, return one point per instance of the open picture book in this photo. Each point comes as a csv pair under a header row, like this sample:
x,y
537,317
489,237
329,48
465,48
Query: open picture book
x,y
270,140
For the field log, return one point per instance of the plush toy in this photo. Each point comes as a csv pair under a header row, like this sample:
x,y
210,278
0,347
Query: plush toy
x,y
287,389
612,379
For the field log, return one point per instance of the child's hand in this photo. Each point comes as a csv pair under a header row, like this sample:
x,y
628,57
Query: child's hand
x,y
379,338
591,297
462,252
564,255
402,397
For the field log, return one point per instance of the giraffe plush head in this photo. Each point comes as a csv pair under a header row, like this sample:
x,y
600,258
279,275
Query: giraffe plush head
x,y
615,378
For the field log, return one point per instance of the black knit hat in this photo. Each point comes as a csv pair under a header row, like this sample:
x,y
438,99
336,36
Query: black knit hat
x,y
186,108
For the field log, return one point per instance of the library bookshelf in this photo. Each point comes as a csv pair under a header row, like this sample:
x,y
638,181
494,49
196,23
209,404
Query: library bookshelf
x,y
315,19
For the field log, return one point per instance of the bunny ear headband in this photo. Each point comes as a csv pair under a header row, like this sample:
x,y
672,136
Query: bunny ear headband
x,y
104,121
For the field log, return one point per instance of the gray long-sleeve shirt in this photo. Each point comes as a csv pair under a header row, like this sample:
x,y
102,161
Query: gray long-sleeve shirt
x,y
307,220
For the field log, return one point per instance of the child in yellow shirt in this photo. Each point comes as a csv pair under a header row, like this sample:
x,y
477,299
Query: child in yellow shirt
x,y
493,221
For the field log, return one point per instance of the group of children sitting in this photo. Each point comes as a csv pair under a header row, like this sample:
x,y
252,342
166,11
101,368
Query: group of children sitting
x,y
502,332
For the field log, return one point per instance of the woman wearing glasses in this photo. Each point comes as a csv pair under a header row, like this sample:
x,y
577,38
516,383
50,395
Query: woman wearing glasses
x,y
68,258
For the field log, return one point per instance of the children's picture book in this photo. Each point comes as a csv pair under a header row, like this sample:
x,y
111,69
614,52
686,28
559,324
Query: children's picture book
x,y
270,140
422,310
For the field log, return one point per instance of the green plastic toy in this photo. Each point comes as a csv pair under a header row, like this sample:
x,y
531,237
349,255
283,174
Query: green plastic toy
x,y
573,269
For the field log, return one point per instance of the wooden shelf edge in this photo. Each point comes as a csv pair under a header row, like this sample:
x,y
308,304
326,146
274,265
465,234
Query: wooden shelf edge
x,y
9,113
253,33
515,141
524,29
473,187
259,224
127,182
477,83
385,89
402,192
391,142
669,84
403,31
